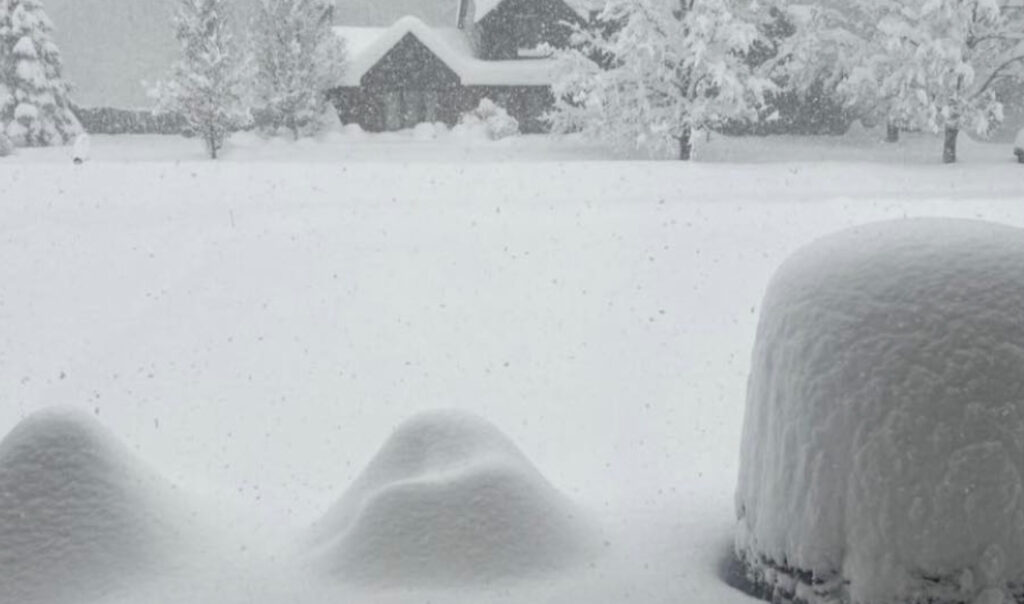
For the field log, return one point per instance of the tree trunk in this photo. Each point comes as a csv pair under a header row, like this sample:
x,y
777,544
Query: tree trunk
x,y
949,146
686,145
892,133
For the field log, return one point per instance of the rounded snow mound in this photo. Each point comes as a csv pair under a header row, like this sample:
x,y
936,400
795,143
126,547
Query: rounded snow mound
x,y
448,500
78,514
883,444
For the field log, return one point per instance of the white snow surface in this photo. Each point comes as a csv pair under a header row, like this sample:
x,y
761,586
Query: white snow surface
x,y
255,327
367,46
884,429
79,516
449,499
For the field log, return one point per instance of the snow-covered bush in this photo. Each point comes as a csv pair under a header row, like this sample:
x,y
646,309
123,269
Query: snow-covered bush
x,y
492,119
1018,146
424,131
450,500
297,59
354,131
77,502
81,151
35,109
6,145
881,456
207,87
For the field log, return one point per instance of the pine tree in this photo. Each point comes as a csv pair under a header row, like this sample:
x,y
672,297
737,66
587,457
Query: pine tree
x,y
297,59
35,109
207,87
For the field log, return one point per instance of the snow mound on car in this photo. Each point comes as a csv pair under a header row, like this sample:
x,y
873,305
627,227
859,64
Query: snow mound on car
x,y
883,444
79,515
449,500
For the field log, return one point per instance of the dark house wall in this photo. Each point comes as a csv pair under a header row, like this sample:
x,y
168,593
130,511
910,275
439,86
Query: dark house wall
x,y
407,86
410,85
369,109
516,24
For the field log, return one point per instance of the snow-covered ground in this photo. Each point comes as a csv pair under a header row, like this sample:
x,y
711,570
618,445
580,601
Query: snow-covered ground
x,y
256,328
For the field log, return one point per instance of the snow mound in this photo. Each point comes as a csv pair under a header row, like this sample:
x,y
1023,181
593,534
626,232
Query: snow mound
x,y
79,516
449,500
883,443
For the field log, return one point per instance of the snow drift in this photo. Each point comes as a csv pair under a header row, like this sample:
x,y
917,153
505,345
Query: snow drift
x,y
883,444
449,500
79,516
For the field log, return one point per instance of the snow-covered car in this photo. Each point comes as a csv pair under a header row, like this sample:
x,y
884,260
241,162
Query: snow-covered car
x,y
880,458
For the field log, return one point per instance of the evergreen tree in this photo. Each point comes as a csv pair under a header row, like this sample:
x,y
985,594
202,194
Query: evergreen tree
x,y
297,59
652,72
34,106
207,87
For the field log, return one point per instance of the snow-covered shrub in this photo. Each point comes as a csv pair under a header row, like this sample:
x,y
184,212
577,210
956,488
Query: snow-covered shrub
x,y
427,131
35,109
76,501
1018,146
492,118
449,499
6,145
882,445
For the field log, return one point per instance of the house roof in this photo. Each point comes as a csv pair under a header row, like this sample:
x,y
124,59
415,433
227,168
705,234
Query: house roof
x,y
368,45
581,7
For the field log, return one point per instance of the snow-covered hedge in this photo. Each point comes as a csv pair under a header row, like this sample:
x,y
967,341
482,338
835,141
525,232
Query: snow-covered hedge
x,y
492,118
883,444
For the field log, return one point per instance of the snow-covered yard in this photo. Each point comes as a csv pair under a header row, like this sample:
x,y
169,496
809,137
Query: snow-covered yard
x,y
255,328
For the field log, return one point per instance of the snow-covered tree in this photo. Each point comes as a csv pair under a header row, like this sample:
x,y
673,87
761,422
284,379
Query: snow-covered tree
x,y
827,42
297,59
208,84
940,62
918,64
653,72
35,109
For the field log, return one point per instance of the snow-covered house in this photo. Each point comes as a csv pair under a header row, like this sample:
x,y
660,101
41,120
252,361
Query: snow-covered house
x,y
411,72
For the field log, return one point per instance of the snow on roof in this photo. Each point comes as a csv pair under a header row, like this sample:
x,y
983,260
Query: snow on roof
x,y
358,39
368,45
525,72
